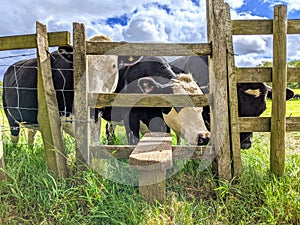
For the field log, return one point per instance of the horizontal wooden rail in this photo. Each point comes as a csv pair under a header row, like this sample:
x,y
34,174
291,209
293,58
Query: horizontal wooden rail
x,y
149,100
147,49
179,152
263,124
29,41
261,27
263,74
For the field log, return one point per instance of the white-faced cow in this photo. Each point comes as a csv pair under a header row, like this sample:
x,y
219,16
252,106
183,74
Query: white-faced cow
x,y
154,75
251,96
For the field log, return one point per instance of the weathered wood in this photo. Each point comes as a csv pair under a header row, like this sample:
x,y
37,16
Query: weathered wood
x,y
2,165
80,96
48,115
179,152
263,124
149,49
233,102
149,100
252,27
216,14
279,80
256,74
29,41
264,74
260,27
152,157
293,27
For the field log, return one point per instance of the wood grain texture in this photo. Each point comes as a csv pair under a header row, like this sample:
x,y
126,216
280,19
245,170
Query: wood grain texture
x,y
48,115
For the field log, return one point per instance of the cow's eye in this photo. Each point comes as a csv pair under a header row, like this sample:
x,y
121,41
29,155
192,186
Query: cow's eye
x,y
114,66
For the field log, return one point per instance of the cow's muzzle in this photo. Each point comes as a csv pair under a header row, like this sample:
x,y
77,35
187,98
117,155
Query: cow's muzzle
x,y
203,138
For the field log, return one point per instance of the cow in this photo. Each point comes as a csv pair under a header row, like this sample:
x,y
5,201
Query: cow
x,y
153,75
20,90
251,96
20,87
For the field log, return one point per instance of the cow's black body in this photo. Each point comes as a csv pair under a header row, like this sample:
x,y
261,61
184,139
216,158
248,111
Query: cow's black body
x,y
20,88
158,69
248,105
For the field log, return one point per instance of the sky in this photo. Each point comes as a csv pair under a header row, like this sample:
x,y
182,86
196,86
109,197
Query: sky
x,y
170,21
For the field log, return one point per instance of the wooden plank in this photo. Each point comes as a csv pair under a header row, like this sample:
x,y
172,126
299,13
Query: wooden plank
x,y
279,80
233,102
152,157
153,151
29,41
293,74
252,27
147,49
149,100
260,27
48,115
2,165
293,27
253,74
179,152
216,14
264,74
263,124
80,96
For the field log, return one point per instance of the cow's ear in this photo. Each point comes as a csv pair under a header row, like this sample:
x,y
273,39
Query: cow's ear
x,y
289,93
66,52
148,85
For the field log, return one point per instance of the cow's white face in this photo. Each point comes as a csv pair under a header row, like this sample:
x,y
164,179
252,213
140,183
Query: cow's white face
x,y
187,122
102,70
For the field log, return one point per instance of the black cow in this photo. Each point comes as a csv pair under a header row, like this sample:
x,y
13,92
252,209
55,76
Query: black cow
x,y
148,75
251,96
20,89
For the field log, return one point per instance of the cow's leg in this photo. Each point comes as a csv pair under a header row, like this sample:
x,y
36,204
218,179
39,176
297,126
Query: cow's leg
x,y
14,127
110,132
132,127
30,136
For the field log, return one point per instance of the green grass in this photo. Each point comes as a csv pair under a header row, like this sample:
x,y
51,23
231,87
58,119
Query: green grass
x,y
31,194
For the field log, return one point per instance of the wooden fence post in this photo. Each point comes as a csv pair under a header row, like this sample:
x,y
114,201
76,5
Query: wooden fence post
x,y
80,96
216,19
233,101
279,80
48,115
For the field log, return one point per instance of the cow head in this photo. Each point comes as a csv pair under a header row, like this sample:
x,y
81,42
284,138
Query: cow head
x,y
186,122
252,103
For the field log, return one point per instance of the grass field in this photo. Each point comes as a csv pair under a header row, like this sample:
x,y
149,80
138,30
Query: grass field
x,y
31,195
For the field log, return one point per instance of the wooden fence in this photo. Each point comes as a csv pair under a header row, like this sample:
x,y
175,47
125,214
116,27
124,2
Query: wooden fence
x,y
224,75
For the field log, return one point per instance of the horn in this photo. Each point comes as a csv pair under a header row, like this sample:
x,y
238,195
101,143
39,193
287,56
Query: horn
x,y
254,92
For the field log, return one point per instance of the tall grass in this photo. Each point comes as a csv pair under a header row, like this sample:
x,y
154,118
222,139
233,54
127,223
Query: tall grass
x,y
31,195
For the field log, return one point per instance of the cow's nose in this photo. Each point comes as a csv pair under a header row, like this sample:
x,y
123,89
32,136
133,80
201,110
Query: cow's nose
x,y
245,145
203,138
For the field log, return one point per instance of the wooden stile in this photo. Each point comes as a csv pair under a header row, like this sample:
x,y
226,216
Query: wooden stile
x,y
216,19
152,157
80,96
279,80
233,102
48,115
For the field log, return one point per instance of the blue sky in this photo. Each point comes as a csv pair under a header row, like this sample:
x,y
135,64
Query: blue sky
x,y
143,21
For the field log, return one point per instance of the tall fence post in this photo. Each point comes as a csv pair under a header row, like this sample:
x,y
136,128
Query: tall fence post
x,y
80,96
233,101
48,115
279,80
216,31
